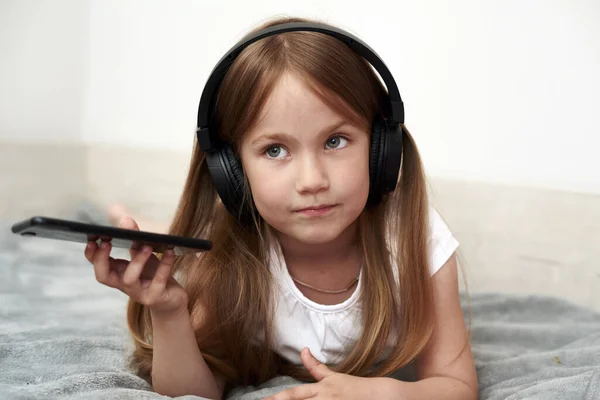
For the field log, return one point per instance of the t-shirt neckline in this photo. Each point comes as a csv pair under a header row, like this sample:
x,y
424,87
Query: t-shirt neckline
x,y
291,285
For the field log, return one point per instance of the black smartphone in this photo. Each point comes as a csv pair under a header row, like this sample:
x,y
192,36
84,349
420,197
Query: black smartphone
x,y
74,231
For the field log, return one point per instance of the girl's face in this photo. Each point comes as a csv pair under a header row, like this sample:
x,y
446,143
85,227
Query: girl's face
x,y
302,154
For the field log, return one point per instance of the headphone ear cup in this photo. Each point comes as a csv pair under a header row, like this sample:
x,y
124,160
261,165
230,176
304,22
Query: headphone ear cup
x,y
392,159
386,155
228,177
376,160
236,171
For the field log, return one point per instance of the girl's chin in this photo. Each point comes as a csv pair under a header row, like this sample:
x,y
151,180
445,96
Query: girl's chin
x,y
312,235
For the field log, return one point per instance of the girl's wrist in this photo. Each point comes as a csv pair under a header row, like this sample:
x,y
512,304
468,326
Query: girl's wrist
x,y
173,313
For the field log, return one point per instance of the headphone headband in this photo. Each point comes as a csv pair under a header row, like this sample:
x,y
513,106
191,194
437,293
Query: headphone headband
x,y
207,100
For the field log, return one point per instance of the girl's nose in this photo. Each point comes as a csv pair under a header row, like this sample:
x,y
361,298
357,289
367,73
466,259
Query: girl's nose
x,y
312,175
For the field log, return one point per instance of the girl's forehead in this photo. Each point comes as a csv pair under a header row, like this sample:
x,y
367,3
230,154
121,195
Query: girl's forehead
x,y
291,105
291,90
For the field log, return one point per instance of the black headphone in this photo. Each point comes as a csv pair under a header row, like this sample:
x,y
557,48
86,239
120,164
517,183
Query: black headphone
x,y
386,131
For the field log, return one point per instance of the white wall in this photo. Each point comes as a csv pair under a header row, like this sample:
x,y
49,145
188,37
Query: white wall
x,y
42,67
496,91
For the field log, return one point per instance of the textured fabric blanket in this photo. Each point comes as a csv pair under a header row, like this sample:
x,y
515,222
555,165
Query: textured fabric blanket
x,y
63,335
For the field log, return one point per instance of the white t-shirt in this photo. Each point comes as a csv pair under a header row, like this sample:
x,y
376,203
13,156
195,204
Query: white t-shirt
x,y
328,329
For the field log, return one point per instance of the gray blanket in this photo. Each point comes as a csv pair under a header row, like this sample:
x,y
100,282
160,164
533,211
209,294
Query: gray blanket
x,y
63,335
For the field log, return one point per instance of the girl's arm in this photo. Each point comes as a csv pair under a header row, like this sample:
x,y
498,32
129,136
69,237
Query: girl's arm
x,y
178,367
445,369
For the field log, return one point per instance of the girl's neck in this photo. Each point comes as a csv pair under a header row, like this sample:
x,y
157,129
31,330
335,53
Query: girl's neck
x,y
343,254
340,249
332,266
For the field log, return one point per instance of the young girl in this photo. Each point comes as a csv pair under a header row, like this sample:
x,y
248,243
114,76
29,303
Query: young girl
x,y
324,284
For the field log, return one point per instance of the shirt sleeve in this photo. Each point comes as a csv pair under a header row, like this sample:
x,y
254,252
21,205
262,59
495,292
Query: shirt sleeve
x,y
441,243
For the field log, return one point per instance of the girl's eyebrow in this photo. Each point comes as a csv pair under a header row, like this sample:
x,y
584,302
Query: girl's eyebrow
x,y
276,136
283,136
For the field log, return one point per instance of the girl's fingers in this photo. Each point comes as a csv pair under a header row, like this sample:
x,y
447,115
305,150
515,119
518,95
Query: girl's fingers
x,y
102,270
128,222
162,275
90,250
137,278
131,277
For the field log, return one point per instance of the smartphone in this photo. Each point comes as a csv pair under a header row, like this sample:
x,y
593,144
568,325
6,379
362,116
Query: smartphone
x,y
74,231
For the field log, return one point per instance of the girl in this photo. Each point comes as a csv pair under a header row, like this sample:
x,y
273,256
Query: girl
x,y
323,284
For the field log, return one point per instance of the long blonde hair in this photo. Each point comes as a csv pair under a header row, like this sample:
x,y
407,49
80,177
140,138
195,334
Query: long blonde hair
x,y
229,286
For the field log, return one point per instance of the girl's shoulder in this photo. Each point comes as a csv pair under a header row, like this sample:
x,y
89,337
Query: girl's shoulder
x,y
441,242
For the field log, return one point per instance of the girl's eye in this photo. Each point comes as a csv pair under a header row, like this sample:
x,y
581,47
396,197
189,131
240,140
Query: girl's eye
x,y
277,151
274,151
337,142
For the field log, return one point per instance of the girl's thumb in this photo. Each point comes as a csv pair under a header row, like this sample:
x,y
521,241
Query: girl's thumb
x,y
128,223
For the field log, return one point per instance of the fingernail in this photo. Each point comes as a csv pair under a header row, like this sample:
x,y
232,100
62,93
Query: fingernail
x,y
104,245
147,249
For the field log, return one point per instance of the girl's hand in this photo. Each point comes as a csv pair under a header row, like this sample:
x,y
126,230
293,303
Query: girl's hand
x,y
330,385
146,279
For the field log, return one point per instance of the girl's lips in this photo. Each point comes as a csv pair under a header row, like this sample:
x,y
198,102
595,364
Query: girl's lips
x,y
317,210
